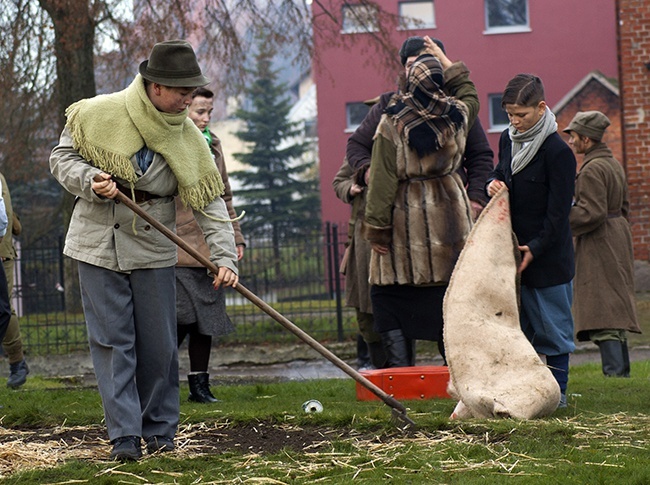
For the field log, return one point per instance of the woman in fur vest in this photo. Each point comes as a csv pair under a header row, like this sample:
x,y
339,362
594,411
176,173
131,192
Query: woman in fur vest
x,y
418,214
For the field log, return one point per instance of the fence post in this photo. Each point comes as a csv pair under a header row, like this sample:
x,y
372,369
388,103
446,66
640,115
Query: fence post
x,y
61,243
337,282
328,245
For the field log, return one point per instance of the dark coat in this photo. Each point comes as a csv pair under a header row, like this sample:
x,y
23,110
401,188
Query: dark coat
x,y
540,200
604,285
478,159
357,263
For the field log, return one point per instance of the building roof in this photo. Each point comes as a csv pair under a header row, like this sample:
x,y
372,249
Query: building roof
x,y
609,84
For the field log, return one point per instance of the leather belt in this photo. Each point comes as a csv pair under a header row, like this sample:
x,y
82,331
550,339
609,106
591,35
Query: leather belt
x,y
613,215
138,196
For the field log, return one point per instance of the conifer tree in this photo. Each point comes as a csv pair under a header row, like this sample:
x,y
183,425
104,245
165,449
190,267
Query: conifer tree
x,y
279,188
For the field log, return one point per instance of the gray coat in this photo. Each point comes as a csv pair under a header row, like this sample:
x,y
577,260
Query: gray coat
x,y
101,230
604,282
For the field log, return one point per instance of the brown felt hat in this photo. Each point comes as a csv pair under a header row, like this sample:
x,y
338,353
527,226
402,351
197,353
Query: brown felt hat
x,y
173,63
591,124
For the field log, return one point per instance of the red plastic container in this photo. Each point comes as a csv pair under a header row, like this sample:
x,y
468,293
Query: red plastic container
x,y
420,382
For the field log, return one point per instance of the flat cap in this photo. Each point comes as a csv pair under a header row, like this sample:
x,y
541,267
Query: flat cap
x,y
591,124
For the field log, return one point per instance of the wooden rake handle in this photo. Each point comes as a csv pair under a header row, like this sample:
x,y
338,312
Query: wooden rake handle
x,y
399,411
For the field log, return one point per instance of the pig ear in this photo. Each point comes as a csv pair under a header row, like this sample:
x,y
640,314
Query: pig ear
x,y
482,334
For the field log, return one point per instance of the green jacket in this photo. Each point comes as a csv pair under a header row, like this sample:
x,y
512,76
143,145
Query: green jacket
x,y
7,249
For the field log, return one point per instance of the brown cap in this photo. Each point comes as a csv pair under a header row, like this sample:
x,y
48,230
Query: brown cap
x,y
173,63
591,124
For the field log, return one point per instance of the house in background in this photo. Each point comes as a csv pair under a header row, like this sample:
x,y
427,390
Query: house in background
x,y
562,42
594,92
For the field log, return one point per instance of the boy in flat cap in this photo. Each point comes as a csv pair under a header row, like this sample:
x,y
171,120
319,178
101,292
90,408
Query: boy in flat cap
x,y
141,142
604,302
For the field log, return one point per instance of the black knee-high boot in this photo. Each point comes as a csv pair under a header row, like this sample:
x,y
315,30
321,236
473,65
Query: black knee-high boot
x,y
377,355
400,351
613,361
626,359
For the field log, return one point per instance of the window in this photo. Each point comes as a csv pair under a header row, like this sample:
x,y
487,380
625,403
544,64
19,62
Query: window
x,y
354,114
416,15
502,16
359,18
498,116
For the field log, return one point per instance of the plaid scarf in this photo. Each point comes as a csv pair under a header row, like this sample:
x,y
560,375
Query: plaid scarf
x,y
423,114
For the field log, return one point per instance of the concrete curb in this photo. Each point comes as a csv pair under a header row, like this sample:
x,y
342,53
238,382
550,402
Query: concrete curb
x,y
251,363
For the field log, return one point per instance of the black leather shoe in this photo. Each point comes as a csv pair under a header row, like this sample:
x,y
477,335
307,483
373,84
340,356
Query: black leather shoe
x,y
126,448
160,444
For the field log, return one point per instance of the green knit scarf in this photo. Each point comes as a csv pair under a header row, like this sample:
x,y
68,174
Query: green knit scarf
x,y
108,130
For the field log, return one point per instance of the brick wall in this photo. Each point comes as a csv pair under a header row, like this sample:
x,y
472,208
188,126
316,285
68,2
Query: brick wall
x,y
634,54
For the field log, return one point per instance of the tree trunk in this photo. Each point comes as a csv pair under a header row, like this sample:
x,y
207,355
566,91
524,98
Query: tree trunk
x,y
74,34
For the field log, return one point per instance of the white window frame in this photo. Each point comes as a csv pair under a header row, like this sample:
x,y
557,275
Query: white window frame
x,y
349,126
354,25
509,29
411,23
496,127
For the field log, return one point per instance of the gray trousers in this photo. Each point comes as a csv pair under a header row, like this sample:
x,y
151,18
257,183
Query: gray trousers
x,y
131,320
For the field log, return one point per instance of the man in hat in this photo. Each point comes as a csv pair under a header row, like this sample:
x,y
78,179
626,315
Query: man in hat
x,y
604,302
139,141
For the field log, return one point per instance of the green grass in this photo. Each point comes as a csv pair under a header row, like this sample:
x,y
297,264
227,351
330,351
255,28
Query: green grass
x,y
601,438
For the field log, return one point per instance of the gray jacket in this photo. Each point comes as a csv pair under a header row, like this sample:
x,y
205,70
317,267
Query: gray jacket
x,y
101,230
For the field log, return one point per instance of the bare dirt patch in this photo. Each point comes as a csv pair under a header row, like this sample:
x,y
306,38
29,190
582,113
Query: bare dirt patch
x,y
25,448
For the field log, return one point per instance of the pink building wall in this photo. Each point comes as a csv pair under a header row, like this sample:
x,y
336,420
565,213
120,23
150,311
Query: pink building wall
x,y
566,41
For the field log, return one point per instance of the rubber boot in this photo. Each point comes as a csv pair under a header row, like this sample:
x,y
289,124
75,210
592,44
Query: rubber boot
x,y
626,359
400,351
441,349
611,354
200,388
363,354
377,355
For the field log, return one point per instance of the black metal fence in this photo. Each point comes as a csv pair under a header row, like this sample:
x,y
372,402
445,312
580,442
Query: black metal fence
x,y
300,279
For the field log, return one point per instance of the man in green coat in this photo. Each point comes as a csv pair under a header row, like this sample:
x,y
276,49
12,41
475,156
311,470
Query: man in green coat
x,y
604,303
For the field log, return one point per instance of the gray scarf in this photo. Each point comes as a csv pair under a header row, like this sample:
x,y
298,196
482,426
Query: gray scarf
x,y
533,138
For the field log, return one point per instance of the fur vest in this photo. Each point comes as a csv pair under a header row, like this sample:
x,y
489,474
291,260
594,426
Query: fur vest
x,y
418,207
